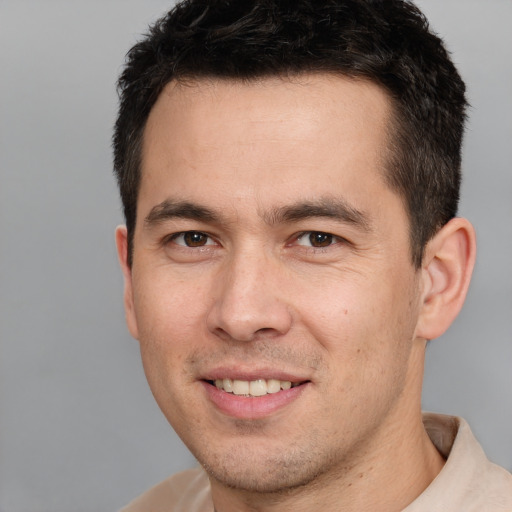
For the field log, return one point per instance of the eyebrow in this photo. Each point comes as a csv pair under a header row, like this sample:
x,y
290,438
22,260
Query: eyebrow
x,y
332,208
169,209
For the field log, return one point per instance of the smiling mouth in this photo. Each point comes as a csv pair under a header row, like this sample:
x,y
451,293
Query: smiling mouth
x,y
253,388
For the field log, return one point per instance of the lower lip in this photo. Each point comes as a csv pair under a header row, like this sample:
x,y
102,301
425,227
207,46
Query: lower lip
x,y
243,407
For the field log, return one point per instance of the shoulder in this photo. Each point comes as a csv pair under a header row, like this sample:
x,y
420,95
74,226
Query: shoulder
x,y
187,491
469,482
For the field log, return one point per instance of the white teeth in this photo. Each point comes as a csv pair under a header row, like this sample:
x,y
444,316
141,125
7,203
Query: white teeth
x,y
227,384
240,387
259,387
273,386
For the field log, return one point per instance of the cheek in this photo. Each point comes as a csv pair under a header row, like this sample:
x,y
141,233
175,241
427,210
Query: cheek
x,y
339,312
170,318
166,307
365,326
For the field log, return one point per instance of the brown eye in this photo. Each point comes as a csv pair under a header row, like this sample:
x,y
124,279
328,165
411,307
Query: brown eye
x,y
195,239
319,239
316,239
192,239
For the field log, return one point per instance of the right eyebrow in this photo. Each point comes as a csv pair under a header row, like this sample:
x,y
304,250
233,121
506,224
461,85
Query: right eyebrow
x,y
170,209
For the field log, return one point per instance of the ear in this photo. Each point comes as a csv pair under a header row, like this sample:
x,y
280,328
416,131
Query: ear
x,y
447,266
122,253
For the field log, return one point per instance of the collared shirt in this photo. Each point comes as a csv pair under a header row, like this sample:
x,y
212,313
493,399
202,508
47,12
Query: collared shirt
x,y
468,482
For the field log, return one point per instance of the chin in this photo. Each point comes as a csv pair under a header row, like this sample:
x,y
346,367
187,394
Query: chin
x,y
265,472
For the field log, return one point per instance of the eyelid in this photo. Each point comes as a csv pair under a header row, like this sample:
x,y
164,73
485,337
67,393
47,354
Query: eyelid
x,y
335,239
212,241
174,236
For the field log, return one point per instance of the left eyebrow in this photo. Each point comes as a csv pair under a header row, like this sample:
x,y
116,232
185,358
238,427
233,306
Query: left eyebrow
x,y
331,208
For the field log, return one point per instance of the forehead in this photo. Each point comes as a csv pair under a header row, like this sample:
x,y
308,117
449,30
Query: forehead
x,y
267,139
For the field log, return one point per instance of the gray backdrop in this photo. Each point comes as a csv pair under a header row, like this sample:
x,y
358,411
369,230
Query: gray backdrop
x,y
79,430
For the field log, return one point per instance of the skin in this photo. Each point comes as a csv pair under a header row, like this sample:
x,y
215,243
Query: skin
x,y
265,165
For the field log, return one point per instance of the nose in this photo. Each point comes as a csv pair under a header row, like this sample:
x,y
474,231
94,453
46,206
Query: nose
x,y
249,300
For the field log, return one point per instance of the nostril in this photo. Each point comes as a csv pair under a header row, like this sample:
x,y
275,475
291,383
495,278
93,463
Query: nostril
x,y
267,331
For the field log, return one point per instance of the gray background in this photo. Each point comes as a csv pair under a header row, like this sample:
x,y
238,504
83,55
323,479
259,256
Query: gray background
x,y
79,430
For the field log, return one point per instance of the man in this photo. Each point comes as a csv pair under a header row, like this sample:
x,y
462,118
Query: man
x,y
290,174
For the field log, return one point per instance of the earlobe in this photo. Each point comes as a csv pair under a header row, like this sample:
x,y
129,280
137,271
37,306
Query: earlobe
x,y
446,272
122,253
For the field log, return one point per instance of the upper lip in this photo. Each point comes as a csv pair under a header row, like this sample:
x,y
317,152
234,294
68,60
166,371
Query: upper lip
x,y
239,373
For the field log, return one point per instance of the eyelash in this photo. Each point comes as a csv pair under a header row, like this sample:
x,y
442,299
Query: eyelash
x,y
331,239
175,236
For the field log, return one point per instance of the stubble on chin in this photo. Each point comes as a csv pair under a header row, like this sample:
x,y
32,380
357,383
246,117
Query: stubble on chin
x,y
277,472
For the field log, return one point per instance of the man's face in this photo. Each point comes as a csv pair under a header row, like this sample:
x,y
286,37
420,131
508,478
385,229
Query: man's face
x,y
269,253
